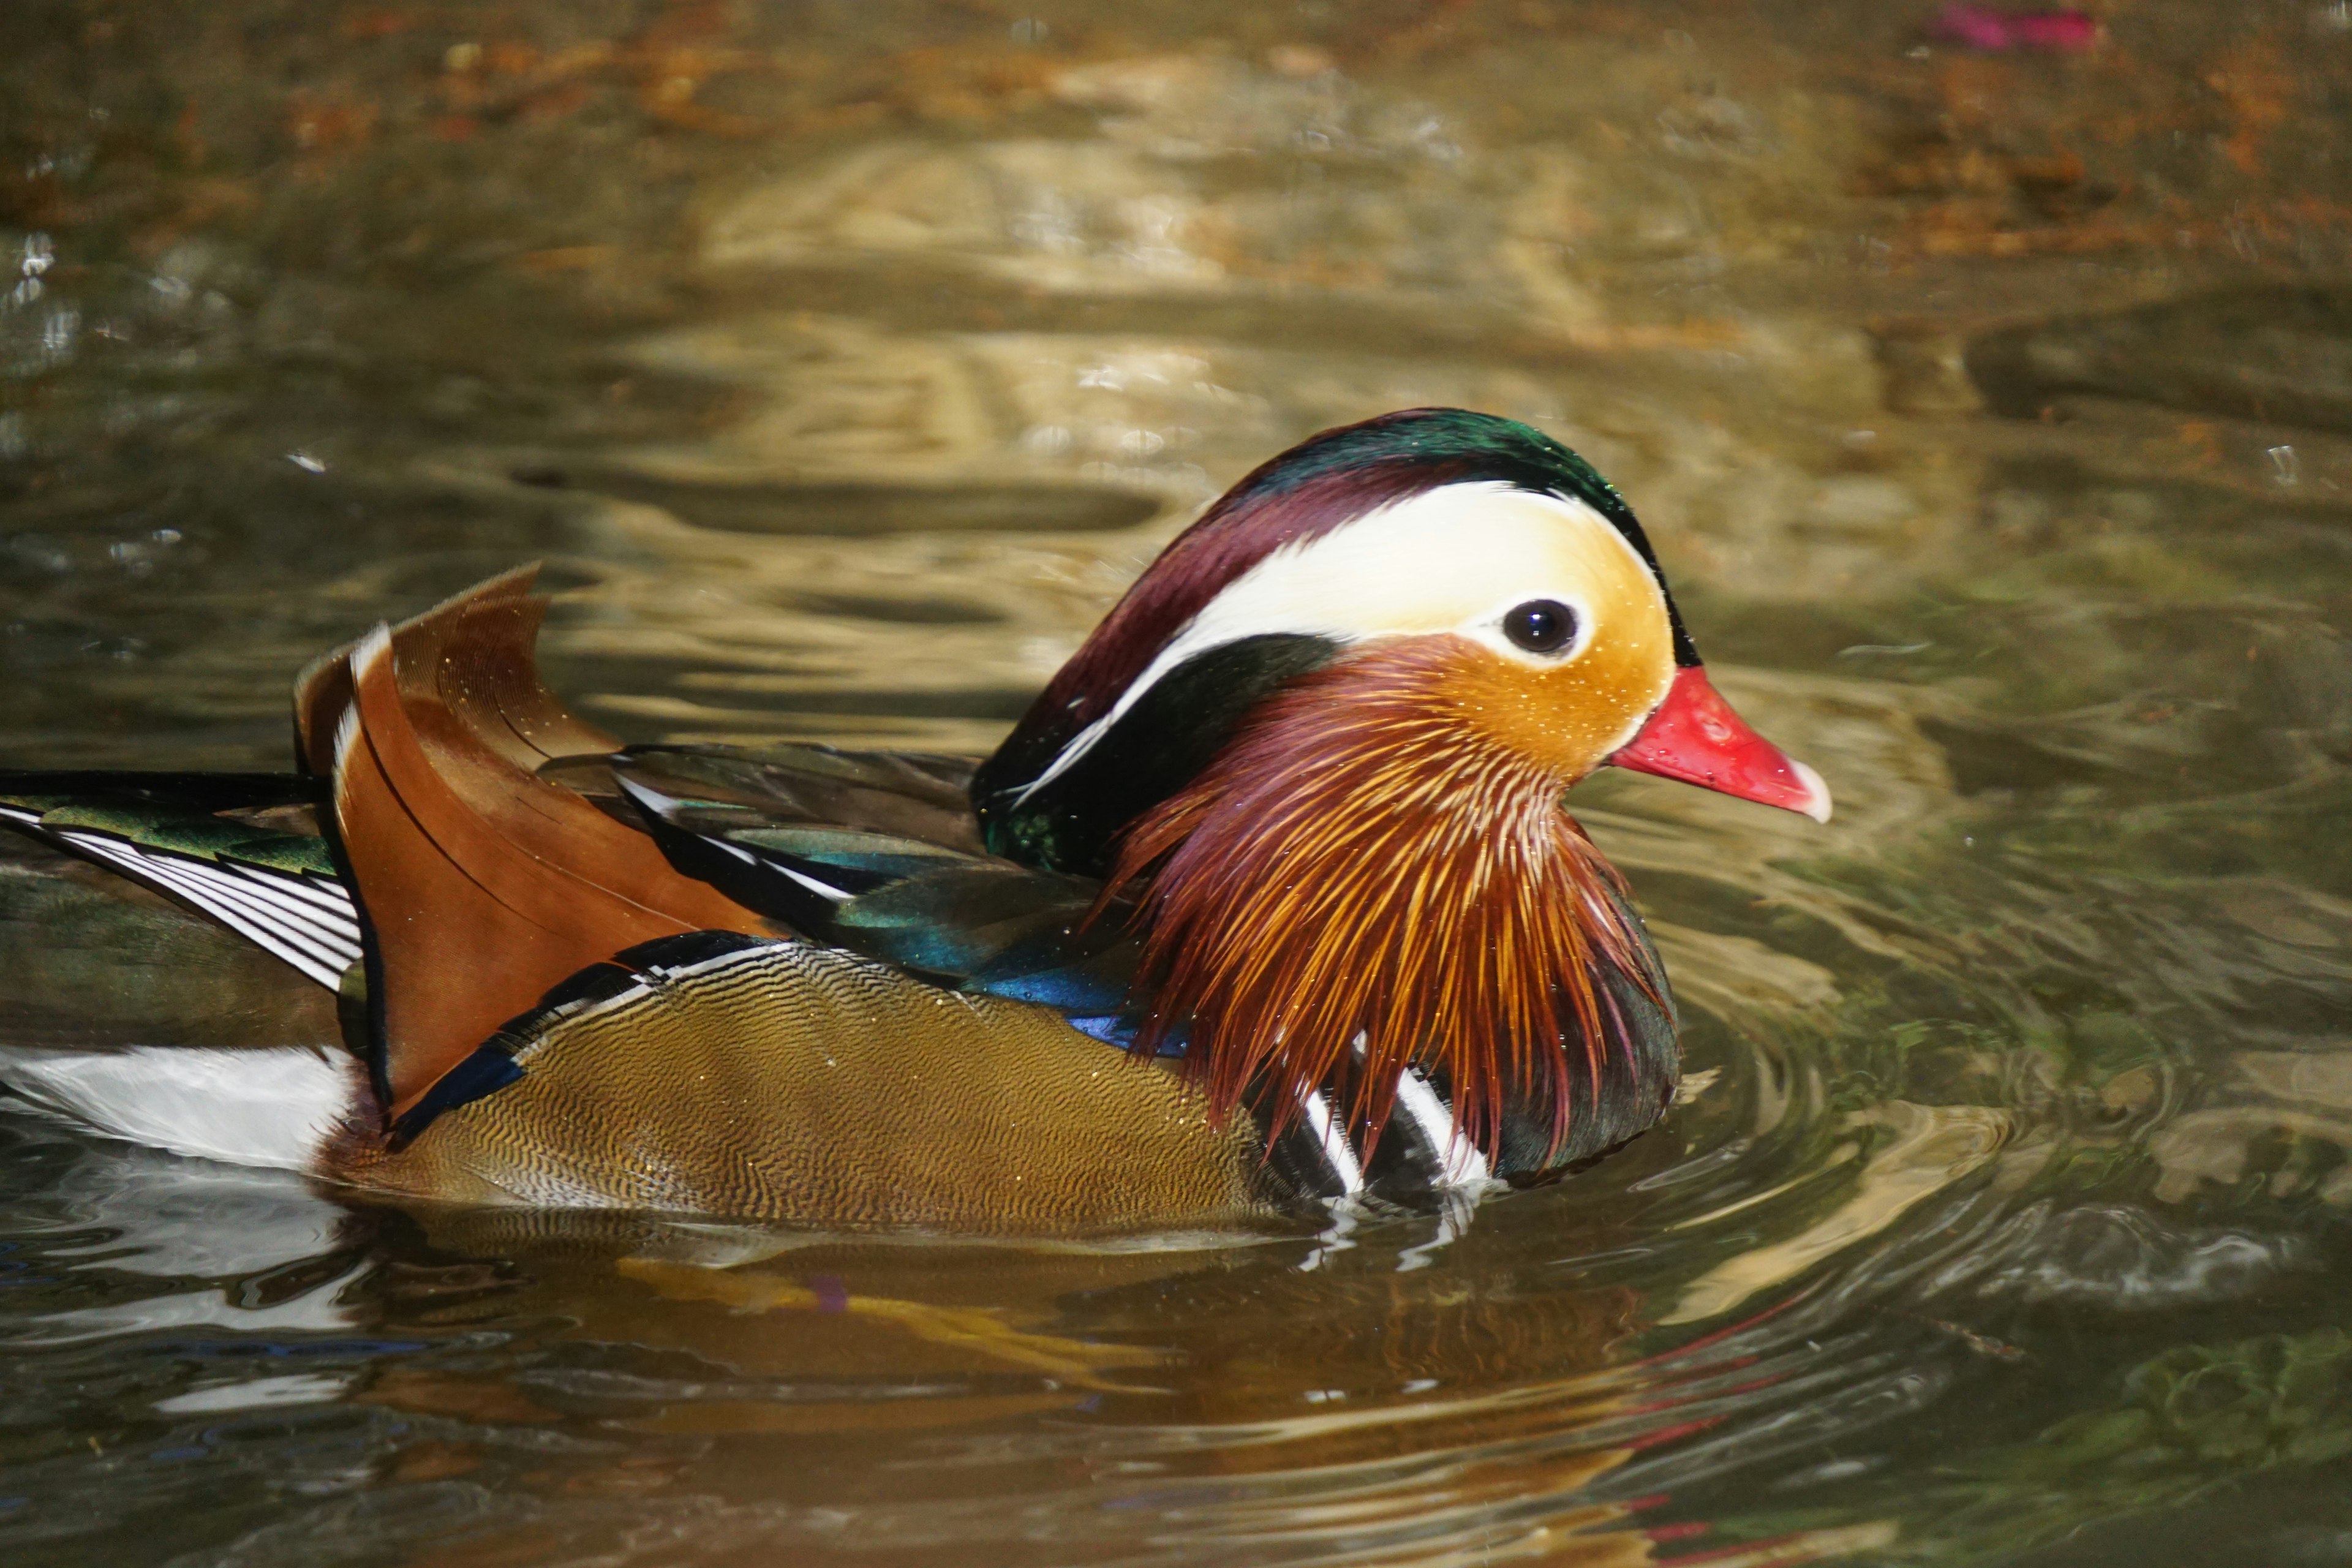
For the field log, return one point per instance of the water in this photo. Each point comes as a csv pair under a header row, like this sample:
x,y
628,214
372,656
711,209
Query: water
x,y
844,361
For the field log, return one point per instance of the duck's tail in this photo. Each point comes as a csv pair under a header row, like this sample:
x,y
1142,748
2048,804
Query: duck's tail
x,y
99,980
417,869
243,849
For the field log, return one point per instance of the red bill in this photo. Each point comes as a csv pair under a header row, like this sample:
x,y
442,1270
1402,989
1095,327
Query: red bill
x,y
1696,737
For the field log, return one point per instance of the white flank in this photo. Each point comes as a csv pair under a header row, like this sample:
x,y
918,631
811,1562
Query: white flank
x,y
272,1107
1455,559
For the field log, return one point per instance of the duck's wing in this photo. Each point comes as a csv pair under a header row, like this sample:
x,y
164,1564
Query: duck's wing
x,y
242,848
499,846
877,853
898,795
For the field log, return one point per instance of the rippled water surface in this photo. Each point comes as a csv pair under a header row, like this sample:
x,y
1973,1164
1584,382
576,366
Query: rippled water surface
x,y
844,362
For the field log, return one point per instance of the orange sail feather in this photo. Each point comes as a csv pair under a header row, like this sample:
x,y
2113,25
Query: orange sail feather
x,y
483,884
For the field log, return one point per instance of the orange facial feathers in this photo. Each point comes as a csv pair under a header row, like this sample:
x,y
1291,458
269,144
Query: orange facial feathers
x,y
1368,860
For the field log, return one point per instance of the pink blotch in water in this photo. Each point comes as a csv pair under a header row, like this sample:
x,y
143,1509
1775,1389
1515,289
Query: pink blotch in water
x,y
1994,32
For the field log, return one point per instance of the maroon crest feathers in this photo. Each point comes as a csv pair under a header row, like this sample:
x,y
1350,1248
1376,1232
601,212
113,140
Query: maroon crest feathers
x,y
1242,530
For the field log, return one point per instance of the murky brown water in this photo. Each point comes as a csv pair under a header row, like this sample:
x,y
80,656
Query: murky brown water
x,y
845,361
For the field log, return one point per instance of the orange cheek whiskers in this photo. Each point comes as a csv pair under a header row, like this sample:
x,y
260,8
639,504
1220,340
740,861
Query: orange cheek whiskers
x,y
1361,883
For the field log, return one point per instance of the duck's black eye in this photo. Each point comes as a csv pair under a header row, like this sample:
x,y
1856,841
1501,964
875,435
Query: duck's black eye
x,y
1540,625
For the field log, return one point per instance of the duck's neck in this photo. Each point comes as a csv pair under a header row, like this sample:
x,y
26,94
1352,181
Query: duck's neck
x,y
1353,888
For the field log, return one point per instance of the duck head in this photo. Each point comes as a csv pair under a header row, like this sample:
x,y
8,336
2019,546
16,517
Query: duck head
x,y
1319,750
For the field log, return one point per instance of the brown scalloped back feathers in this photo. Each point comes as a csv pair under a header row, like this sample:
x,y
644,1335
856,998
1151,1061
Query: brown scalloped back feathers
x,y
482,884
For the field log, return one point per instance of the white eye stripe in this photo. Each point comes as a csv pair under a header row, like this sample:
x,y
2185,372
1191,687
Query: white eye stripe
x,y
1455,559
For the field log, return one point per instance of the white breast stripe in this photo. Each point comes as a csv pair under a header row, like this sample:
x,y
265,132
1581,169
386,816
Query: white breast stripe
x,y
1459,1164
1333,1142
13,814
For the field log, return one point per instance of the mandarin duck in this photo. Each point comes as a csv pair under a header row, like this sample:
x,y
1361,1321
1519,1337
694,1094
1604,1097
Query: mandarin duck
x,y
1272,896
